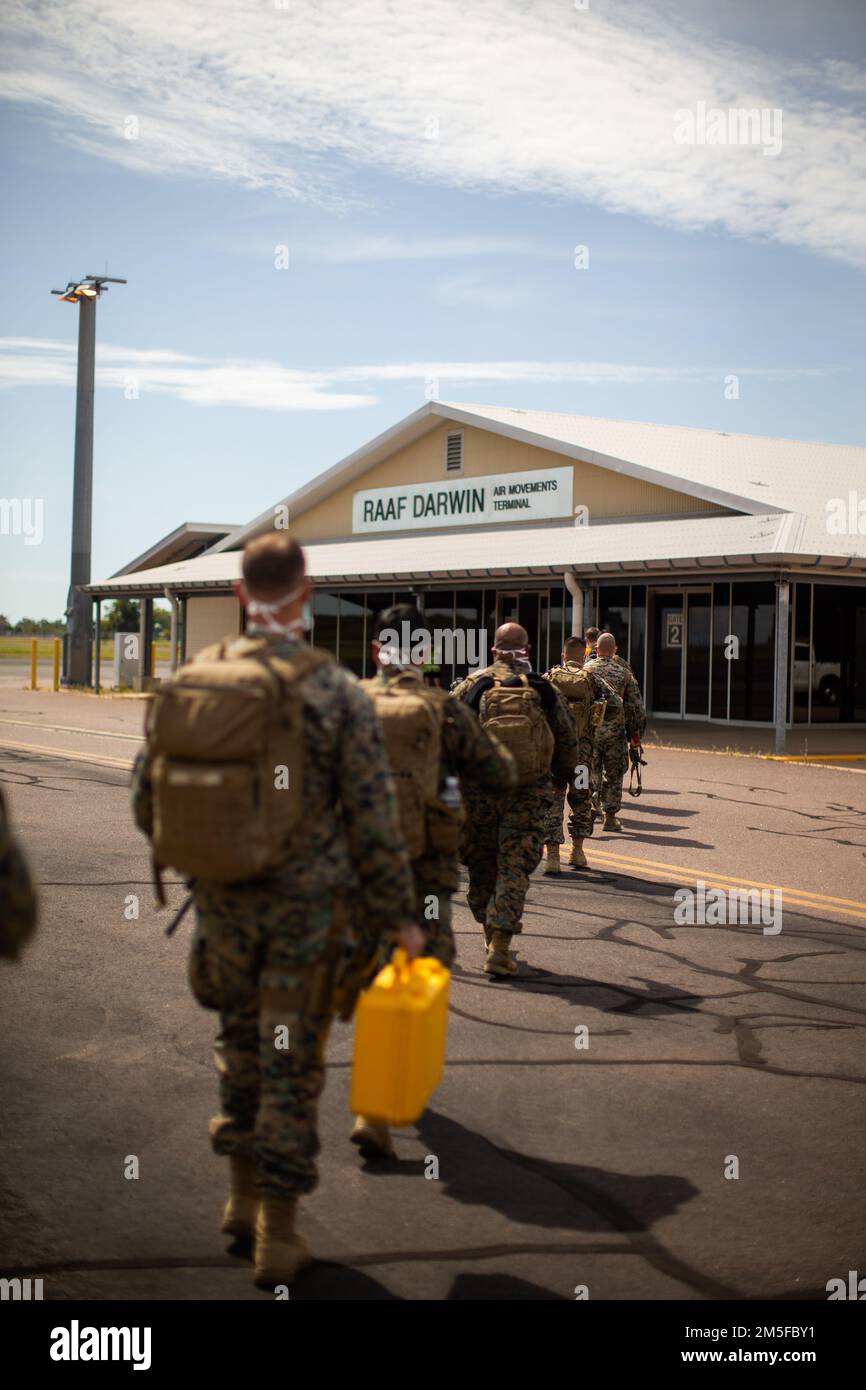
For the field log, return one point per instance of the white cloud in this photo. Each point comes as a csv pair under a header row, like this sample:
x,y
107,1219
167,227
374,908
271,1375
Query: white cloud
x,y
541,99
472,288
266,385
391,248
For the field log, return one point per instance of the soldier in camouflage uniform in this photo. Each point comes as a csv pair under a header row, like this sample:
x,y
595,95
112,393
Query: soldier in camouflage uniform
x,y
505,830
266,952
580,785
467,751
610,759
17,895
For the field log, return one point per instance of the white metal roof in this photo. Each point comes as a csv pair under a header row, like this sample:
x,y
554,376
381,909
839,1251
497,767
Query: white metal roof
x,y
190,538
746,473
653,547
781,487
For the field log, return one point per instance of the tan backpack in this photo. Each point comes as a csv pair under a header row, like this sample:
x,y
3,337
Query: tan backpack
x,y
515,715
573,685
411,716
226,736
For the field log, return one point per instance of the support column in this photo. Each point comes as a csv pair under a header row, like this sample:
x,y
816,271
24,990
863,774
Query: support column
x,y
577,603
77,654
783,609
145,640
98,647
173,640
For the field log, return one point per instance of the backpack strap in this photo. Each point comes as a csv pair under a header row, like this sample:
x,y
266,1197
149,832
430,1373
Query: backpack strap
x,y
288,670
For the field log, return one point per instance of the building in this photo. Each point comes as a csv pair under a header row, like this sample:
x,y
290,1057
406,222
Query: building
x,y
731,568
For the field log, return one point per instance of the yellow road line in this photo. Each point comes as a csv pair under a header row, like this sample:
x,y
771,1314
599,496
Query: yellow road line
x,y
795,897
833,761
729,878
65,753
69,729
816,757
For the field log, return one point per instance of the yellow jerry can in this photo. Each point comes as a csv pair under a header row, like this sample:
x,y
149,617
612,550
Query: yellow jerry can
x,y
402,1020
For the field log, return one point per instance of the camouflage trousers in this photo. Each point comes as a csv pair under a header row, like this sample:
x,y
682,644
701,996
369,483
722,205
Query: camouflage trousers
x,y
436,875
610,761
433,914
579,801
503,844
267,975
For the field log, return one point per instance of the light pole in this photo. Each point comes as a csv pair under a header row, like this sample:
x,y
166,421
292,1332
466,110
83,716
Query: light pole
x,y
76,643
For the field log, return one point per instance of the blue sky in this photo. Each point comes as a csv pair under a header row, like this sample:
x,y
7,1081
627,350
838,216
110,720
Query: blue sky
x,y
430,173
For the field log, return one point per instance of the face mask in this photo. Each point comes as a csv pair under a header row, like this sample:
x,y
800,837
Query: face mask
x,y
394,658
516,657
261,615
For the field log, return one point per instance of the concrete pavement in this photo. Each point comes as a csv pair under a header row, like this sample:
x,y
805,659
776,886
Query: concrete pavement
x,y
559,1166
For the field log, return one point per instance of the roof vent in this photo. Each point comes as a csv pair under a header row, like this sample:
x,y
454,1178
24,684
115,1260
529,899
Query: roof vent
x,y
454,453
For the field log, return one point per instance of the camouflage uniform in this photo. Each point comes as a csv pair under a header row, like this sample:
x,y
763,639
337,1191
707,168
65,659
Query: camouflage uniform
x,y
579,798
17,895
505,831
610,756
261,948
473,755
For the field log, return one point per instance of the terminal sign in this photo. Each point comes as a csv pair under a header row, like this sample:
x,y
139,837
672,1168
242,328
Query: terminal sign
x,y
535,496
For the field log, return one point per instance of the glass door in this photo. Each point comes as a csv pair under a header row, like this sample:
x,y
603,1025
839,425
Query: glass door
x,y
696,693
682,649
525,609
669,631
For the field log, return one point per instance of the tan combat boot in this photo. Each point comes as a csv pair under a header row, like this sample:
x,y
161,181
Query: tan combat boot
x,y
552,864
241,1209
499,958
280,1253
611,822
577,859
372,1138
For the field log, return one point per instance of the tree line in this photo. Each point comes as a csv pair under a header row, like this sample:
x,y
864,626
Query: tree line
x,y
122,616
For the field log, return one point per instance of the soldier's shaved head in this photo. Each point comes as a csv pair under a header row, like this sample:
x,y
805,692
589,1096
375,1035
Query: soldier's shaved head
x,y
510,637
606,644
574,650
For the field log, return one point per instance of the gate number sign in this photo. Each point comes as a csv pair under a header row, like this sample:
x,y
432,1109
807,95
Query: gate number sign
x,y
674,630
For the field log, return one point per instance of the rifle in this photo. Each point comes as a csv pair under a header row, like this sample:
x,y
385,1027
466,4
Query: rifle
x,y
637,760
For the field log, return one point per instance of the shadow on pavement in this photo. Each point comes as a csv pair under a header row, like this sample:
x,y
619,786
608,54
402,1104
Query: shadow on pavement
x,y
598,1200
494,1287
325,1279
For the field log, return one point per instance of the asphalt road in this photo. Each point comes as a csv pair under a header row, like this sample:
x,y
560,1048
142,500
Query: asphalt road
x,y
559,1166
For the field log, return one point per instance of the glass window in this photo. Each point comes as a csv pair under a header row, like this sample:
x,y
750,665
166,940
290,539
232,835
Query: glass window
x,y
470,632
839,655
801,624
754,623
667,666
698,637
493,605
721,662
614,603
545,658
377,601
352,644
637,632
560,623
326,609
439,612
856,709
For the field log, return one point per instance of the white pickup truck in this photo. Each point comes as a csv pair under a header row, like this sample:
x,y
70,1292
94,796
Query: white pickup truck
x,y
826,675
